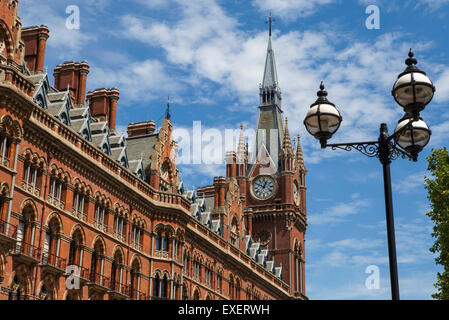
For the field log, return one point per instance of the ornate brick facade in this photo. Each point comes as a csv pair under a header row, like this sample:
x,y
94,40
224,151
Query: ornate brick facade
x,y
77,197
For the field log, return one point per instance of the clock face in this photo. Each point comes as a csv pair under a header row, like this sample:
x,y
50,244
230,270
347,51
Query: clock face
x,y
295,193
263,187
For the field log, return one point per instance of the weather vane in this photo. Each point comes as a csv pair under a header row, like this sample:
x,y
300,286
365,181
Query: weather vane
x,y
270,21
168,108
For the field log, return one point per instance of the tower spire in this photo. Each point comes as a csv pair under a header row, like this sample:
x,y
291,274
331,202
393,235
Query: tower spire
x,y
270,92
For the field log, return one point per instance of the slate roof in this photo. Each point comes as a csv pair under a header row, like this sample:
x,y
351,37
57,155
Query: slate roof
x,y
141,148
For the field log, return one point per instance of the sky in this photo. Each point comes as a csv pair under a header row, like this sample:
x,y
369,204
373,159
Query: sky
x,y
209,55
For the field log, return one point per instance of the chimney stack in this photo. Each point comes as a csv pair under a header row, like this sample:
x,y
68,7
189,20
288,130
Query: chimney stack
x,y
103,105
72,75
35,40
141,128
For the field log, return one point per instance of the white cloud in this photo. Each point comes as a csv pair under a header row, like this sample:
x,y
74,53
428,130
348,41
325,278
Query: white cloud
x,y
356,244
410,183
65,43
442,85
338,212
290,9
138,81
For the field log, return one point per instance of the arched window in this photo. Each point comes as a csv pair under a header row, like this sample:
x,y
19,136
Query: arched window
x,y
196,295
219,281
105,148
80,204
231,288
164,287
157,242
119,227
4,200
100,216
97,265
5,149
76,249
135,281
117,273
52,244
85,134
185,294
156,285
57,190
164,242
26,232
136,234
32,177
237,289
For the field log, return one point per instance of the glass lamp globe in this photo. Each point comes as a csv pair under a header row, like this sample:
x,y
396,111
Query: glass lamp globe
x,y
414,135
323,119
413,90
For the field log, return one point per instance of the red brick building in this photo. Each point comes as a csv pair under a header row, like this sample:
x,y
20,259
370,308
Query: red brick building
x,y
86,213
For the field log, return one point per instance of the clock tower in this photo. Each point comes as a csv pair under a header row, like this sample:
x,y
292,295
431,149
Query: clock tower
x,y
275,187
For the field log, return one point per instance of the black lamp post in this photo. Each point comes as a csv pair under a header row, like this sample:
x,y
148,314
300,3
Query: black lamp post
x,y
413,90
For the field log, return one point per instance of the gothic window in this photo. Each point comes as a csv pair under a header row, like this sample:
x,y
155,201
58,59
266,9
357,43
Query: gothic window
x,y
156,283
140,174
26,231
196,295
117,272
237,289
76,249
231,288
100,214
52,243
32,178
185,294
137,234
157,243
5,149
219,282
97,264
85,134
135,280
56,191
4,200
164,287
119,227
105,148
79,204
64,118
165,242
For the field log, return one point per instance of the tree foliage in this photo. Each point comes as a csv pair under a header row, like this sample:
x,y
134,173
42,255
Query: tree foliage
x,y
438,193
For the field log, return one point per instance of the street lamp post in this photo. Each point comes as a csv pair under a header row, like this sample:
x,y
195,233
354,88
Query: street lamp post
x,y
413,90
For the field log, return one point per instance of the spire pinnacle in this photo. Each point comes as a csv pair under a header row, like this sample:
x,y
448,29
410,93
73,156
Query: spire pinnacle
x,y
287,143
167,114
241,149
270,21
299,155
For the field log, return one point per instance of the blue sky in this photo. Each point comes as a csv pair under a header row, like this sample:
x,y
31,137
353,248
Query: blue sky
x,y
208,55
